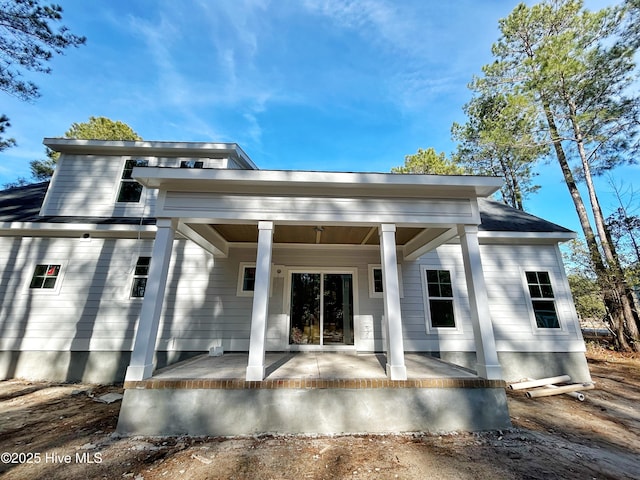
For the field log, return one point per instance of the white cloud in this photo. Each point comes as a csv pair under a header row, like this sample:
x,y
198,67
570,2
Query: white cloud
x,y
219,77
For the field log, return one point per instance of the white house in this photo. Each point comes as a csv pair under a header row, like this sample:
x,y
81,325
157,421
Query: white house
x,y
139,254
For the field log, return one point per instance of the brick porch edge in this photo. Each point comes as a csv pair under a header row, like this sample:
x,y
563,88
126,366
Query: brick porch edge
x,y
301,383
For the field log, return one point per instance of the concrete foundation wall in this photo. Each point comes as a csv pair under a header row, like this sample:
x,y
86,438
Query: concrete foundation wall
x,y
324,411
519,365
89,367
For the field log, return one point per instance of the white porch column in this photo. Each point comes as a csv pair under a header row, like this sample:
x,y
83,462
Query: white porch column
x,y
396,368
260,313
487,364
144,347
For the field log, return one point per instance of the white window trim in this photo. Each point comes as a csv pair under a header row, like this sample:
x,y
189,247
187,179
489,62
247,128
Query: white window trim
x,y
539,331
286,302
457,329
133,275
249,293
46,291
372,292
240,292
151,163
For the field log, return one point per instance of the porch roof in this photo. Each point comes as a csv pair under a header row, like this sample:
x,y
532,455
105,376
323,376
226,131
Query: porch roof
x,y
20,207
293,181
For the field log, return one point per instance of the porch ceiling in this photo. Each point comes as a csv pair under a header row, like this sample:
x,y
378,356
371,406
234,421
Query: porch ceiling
x,y
319,234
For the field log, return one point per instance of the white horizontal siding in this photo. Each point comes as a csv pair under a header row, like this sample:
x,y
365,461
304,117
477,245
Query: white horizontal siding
x,y
92,305
509,301
300,208
416,336
87,185
504,267
93,310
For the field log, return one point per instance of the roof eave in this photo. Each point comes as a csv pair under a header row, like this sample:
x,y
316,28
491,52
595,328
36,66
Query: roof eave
x,y
553,237
173,178
149,148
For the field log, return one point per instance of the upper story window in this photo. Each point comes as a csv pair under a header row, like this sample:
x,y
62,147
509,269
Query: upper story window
x,y
130,190
542,299
191,164
440,298
140,276
45,276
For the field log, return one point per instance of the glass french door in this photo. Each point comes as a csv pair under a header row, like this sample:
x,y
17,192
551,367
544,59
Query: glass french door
x,y
321,309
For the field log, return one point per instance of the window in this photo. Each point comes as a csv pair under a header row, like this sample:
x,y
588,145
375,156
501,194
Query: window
x,y
140,276
376,286
249,279
377,280
130,190
45,276
440,298
191,164
246,279
542,299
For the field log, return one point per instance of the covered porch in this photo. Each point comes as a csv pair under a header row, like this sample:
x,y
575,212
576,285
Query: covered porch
x,y
401,216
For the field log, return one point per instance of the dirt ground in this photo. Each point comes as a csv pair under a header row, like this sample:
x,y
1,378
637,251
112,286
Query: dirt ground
x,y
59,431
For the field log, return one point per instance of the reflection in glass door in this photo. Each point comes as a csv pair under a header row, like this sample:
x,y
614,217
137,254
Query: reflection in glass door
x,y
337,318
326,322
305,309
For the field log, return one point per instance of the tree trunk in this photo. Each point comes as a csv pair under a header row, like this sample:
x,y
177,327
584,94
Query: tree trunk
x,y
611,297
614,268
510,188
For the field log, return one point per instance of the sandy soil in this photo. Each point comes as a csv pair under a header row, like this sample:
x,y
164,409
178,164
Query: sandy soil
x,y
59,431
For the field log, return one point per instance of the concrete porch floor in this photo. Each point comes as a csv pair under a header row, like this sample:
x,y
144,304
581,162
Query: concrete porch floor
x,y
310,365
325,393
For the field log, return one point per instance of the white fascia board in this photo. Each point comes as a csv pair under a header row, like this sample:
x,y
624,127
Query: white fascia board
x,y
71,229
151,148
447,185
552,237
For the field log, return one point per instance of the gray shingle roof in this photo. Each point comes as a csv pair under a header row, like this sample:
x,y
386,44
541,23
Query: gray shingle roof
x,y
22,204
498,217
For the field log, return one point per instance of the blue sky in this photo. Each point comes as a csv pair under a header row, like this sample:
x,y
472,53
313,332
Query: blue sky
x,y
349,85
